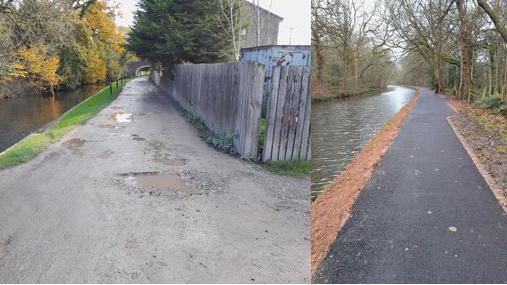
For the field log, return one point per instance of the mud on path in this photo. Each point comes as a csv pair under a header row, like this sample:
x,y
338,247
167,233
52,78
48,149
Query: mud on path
x,y
135,196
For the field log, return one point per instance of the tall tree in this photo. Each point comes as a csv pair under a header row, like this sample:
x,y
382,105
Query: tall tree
x,y
464,43
176,31
231,22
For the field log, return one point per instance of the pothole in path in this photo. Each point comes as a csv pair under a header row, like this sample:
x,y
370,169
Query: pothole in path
x,y
4,245
156,184
172,162
74,145
138,138
107,126
106,154
122,117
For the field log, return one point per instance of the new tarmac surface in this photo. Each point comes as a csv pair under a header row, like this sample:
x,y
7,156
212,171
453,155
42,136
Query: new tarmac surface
x,y
135,196
427,215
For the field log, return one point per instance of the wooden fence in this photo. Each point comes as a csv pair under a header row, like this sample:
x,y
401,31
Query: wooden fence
x,y
288,115
227,97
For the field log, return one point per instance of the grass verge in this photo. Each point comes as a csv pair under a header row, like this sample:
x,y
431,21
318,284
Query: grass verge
x,y
289,168
34,144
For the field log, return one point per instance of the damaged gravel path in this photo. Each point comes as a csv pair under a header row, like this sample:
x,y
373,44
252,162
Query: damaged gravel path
x,y
426,216
136,196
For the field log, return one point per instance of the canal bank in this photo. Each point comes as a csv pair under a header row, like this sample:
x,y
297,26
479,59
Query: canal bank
x,y
24,114
342,128
33,144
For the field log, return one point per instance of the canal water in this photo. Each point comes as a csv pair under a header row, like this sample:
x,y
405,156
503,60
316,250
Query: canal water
x,y
341,128
22,115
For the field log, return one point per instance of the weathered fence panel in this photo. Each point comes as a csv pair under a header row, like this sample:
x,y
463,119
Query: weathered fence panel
x,y
288,115
227,97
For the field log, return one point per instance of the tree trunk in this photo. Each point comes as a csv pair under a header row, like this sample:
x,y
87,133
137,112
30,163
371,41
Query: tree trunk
x,y
465,83
437,74
356,69
319,58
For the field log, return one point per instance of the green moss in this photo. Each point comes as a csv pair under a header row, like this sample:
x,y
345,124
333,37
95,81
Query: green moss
x,y
80,114
289,168
262,131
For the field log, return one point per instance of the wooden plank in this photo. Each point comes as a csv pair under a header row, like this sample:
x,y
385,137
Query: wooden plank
x,y
293,111
301,116
305,152
279,113
271,114
286,114
240,119
256,108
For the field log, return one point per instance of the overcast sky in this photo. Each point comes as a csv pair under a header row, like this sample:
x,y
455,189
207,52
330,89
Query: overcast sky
x,y
296,14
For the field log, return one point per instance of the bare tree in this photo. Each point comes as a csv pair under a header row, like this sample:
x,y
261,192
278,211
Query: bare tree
x,y
495,17
230,19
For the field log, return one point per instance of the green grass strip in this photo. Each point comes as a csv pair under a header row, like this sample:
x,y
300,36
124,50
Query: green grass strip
x,y
34,144
289,167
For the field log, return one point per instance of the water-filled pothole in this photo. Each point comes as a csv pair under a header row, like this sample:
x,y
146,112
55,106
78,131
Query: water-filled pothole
x,y
155,180
122,117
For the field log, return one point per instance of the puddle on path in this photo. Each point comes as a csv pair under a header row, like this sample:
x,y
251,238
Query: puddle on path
x,y
122,117
157,180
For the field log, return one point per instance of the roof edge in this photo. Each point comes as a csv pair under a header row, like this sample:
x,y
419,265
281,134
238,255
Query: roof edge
x,y
265,10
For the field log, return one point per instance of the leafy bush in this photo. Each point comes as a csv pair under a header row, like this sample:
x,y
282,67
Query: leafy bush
x,y
490,102
224,144
193,119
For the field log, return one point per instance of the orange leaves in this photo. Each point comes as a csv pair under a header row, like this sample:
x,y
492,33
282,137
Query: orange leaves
x,y
35,63
96,68
101,22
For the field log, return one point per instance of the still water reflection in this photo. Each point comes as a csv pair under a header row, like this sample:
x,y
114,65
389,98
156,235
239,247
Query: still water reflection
x,y
341,128
23,115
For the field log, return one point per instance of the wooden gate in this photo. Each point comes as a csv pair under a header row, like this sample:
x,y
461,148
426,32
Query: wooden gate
x,y
288,115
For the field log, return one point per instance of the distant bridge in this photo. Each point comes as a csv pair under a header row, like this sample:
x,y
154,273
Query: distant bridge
x,y
133,68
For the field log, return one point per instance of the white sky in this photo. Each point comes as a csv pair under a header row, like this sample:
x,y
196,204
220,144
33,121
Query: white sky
x,y
296,14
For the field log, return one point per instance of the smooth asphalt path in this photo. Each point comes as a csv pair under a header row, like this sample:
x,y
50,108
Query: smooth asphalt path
x,y
427,215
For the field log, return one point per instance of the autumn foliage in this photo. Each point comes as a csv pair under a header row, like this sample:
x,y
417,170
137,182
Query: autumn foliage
x,y
59,45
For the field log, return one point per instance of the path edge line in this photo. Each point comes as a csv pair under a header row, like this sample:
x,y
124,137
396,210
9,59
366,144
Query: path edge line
x,y
331,210
493,186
